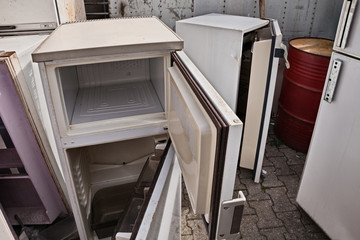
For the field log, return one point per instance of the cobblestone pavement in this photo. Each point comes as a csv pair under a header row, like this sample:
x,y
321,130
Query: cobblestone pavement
x,y
270,211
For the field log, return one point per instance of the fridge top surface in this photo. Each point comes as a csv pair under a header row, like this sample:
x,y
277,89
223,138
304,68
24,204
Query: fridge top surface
x,y
237,23
105,37
20,44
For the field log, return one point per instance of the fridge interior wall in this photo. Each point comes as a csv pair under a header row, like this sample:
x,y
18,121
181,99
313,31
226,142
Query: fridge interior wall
x,y
93,172
108,90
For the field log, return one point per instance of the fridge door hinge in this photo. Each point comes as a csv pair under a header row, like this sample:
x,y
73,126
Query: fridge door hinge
x,y
332,80
230,217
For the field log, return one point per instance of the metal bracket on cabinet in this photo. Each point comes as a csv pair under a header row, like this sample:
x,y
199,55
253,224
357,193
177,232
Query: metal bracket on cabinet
x,y
230,217
332,80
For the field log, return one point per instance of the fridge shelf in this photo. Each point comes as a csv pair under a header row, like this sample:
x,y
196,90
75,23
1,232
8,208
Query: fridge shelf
x,y
115,101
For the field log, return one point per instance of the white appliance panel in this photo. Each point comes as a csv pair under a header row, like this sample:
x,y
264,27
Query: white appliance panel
x,y
348,31
330,186
214,43
29,11
24,46
194,136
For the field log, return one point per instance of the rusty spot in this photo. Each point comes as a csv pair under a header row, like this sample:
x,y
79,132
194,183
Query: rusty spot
x,y
122,9
70,12
261,8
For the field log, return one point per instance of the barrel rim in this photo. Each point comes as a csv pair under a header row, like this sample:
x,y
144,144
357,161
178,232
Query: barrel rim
x,y
313,54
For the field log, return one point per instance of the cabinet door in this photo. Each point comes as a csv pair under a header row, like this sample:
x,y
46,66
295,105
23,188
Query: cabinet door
x,y
206,136
348,31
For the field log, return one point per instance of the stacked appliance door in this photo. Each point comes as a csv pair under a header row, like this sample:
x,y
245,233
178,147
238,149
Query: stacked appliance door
x,y
32,186
237,55
329,190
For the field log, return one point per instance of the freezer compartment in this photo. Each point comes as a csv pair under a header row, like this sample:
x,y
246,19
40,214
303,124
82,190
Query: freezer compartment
x,y
108,177
108,90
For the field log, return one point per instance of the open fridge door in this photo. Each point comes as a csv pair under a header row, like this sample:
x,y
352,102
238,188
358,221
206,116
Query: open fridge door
x,y
205,135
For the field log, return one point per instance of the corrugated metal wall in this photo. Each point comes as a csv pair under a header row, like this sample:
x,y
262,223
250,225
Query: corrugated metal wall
x,y
297,18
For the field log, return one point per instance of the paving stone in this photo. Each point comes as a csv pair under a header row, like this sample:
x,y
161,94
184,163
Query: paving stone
x,y
255,191
248,210
293,225
185,229
267,162
238,185
293,156
274,233
305,218
280,200
198,228
281,166
245,173
191,215
267,218
272,151
248,228
270,178
291,183
187,237
298,169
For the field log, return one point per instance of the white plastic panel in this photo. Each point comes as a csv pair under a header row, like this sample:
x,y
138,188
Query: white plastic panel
x,y
330,186
23,46
112,36
214,44
255,102
234,135
194,137
115,101
350,29
29,11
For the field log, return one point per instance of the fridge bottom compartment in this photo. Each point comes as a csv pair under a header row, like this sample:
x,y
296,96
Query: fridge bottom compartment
x,y
118,207
108,206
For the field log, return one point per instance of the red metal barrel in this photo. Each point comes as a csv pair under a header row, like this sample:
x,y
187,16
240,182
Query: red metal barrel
x,y
301,91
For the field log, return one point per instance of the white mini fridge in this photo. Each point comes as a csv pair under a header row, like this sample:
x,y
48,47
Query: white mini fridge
x,y
131,113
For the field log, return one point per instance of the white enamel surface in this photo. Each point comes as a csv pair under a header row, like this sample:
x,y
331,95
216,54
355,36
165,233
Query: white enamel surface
x,y
255,102
24,46
235,130
270,99
168,173
111,35
330,186
194,138
214,43
29,11
111,120
115,101
352,46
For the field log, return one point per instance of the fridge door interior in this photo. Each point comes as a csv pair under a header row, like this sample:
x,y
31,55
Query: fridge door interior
x,y
329,190
348,31
206,136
